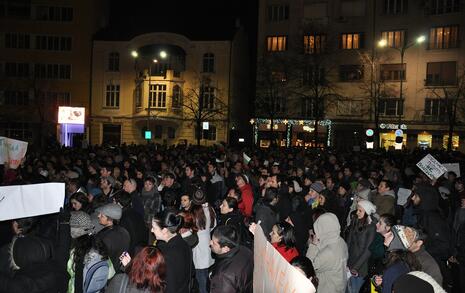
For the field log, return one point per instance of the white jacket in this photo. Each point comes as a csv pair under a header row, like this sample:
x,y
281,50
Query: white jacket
x,y
201,253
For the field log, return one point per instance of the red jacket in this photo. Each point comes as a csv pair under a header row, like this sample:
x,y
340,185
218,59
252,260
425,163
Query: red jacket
x,y
287,253
246,205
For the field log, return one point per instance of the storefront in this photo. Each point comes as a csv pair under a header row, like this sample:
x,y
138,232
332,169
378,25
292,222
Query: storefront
x,y
387,140
290,132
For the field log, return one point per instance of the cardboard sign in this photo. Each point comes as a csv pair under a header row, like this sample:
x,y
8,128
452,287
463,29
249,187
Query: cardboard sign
x,y
12,151
454,167
20,201
272,273
431,167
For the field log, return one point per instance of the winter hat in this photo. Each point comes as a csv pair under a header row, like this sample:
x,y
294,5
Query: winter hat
x,y
367,206
403,237
111,210
198,196
317,186
80,224
417,281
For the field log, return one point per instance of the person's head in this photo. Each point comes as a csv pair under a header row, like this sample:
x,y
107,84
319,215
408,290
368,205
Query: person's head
x,y
237,167
347,171
365,209
305,266
73,185
272,181
386,221
211,167
315,190
130,185
189,171
451,176
235,193
330,183
123,199
80,224
459,185
168,179
283,234
418,241
271,196
166,225
384,186
107,182
228,205
24,226
78,201
241,180
186,201
224,239
105,171
188,222
149,183
109,214
343,189
262,180
148,270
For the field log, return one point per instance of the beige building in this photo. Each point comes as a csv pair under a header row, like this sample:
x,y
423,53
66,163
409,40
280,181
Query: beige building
x,y
342,37
45,50
159,87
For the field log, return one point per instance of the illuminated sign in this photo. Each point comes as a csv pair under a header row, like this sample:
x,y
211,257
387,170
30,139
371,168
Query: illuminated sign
x,y
392,126
369,132
148,134
71,115
205,126
399,132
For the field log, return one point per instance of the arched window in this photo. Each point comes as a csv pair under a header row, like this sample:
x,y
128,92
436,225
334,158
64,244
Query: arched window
x,y
208,62
177,97
113,61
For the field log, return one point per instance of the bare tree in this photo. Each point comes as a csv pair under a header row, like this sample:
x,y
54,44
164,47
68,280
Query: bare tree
x,y
204,102
453,98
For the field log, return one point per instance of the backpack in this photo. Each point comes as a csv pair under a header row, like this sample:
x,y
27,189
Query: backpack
x,y
96,277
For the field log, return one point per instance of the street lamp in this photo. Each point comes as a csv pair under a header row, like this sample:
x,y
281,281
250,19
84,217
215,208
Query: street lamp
x,y
383,43
162,55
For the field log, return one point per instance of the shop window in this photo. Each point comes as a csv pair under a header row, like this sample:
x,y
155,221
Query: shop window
x,y
425,140
455,141
387,140
111,134
441,73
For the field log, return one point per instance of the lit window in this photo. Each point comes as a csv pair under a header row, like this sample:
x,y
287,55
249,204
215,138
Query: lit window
x,y
208,95
276,43
351,41
314,44
112,95
177,97
443,37
157,96
394,39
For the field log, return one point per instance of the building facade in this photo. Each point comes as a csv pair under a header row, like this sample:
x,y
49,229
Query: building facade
x,y
45,55
161,87
353,65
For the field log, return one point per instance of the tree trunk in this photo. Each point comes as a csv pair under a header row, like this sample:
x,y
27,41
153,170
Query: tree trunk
x,y
199,131
315,133
272,140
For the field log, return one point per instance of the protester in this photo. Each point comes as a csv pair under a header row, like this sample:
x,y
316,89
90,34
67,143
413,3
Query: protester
x,y
283,239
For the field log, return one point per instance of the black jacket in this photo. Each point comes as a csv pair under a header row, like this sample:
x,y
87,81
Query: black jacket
x,y
268,217
116,240
178,259
133,222
233,272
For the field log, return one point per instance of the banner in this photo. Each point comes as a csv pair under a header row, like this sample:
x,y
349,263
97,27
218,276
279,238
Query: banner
x,y
20,201
454,167
272,273
12,151
431,167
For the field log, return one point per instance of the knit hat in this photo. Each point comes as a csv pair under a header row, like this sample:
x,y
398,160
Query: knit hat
x,y
111,210
403,237
416,282
317,186
198,196
367,206
80,224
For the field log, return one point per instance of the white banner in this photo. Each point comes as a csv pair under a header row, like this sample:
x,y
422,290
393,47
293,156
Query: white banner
x,y
454,167
272,273
431,167
20,201
12,151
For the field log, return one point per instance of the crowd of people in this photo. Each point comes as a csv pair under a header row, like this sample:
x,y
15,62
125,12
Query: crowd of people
x,y
153,218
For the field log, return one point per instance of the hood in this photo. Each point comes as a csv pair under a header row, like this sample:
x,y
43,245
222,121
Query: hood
x,y
429,197
327,228
364,193
28,251
390,192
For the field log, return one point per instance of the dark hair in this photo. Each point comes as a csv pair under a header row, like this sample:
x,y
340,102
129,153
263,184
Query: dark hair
x,y
188,221
388,183
226,235
288,236
231,202
404,256
271,193
124,199
82,199
238,193
200,217
421,235
83,244
27,225
306,266
317,212
148,270
170,220
388,219
150,178
169,175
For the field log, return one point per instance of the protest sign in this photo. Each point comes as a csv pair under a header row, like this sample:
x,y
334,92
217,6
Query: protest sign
x,y
246,158
403,195
454,167
431,167
3,150
272,273
20,201
12,151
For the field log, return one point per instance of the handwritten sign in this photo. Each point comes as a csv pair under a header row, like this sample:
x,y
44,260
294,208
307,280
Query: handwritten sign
x,y
12,151
431,167
272,273
20,201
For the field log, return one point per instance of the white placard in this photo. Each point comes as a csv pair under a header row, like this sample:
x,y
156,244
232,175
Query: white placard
x,y
20,201
12,151
431,167
403,195
272,273
454,167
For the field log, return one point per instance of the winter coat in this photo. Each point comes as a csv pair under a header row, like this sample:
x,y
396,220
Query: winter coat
x,y
202,252
178,259
116,240
429,265
217,189
152,203
117,281
329,255
358,243
391,274
385,202
430,220
268,217
287,253
232,272
134,223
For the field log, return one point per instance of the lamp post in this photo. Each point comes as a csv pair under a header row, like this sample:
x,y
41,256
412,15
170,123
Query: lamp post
x,y
162,55
383,43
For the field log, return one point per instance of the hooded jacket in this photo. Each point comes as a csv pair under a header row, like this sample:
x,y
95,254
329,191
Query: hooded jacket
x,y
329,254
385,202
430,220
